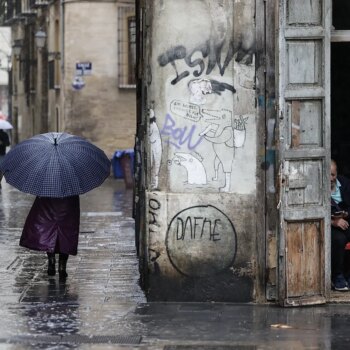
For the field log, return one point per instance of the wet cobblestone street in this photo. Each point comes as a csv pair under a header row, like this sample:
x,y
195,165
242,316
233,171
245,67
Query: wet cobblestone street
x,y
102,284
101,305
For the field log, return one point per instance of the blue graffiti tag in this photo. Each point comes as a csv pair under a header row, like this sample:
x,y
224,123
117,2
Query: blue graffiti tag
x,y
180,135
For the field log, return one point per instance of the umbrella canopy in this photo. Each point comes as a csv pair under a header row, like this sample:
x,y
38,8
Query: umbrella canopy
x,y
5,125
3,116
55,165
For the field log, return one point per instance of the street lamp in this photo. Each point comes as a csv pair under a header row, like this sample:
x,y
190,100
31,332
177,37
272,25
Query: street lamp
x,y
40,38
17,47
40,41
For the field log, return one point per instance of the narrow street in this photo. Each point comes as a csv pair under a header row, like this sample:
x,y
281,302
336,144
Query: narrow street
x,y
101,306
102,284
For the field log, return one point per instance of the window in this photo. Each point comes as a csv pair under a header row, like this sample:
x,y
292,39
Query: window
x,y
132,49
126,46
51,75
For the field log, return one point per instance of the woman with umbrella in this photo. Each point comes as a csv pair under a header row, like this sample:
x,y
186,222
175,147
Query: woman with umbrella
x,y
62,167
52,225
4,138
4,142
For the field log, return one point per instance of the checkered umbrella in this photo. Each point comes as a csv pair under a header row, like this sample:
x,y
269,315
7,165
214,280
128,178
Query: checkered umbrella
x,y
55,165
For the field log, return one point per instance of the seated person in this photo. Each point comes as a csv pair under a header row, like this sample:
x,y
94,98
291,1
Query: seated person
x,y
340,232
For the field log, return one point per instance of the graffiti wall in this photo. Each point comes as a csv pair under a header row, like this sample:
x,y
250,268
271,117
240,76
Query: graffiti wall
x,y
203,128
202,144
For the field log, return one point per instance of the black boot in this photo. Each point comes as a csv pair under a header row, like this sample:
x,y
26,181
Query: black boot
x,y
62,265
51,269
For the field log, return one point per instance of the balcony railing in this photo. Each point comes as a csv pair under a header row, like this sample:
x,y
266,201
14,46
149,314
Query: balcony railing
x,y
12,10
6,11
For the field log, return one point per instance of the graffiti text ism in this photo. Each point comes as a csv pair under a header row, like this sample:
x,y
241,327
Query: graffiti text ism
x,y
180,53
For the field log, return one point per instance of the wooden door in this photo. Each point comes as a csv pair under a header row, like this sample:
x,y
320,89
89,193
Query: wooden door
x,y
303,85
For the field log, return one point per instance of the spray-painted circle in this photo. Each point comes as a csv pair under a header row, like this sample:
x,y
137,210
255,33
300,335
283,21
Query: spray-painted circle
x,y
201,241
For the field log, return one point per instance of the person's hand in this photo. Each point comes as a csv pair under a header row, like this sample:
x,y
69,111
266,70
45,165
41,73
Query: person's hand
x,y
341,223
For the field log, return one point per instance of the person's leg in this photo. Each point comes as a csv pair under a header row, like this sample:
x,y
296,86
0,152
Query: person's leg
x,y
51,269
62,265
347,257
338,242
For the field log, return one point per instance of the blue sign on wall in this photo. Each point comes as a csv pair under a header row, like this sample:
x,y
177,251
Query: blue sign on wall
x,y
83,68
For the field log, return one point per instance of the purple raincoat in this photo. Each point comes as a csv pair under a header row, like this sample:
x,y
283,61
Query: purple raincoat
x,y
52,225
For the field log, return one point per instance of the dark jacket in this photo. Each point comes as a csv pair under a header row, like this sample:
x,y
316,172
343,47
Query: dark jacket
x,y
345,195
4,142
52,225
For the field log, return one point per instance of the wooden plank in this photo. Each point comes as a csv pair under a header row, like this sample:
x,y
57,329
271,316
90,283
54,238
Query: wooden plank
x,y
300,92
312,258
304,118
295,214
304,247
295,195
305,301
311,123
303,182
303,62
309,153
310,14
294,259
295,125
305,33
313,192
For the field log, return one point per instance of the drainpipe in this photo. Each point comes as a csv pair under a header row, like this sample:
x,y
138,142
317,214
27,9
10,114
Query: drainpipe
x,y
62,35
62,115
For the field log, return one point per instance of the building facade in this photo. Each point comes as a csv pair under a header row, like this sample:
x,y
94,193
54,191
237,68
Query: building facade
x,y
234,147
5,69
71,74
236,101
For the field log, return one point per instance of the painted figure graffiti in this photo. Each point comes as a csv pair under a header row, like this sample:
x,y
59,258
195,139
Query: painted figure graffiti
x,y
198,89
223,132
239,131
196,174
220,133
211,95
156,149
